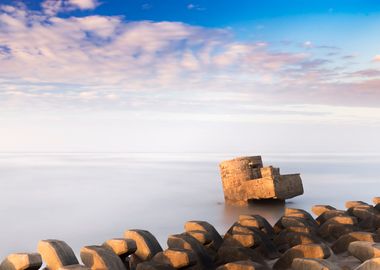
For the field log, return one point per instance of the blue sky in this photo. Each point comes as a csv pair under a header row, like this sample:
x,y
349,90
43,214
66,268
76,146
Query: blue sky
x,y
172,75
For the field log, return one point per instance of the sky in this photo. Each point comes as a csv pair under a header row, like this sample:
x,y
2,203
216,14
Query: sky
x,y
289,76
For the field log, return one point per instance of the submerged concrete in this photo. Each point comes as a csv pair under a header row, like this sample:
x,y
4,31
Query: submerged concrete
x,y
245,178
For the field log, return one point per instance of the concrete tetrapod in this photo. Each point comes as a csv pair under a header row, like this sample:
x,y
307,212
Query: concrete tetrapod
x,y
22,261
177,258
363,250
147,245
242,265
98,257
313,264
315,251
206,227
56,253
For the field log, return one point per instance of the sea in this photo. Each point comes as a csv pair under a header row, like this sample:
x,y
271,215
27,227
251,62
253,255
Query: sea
x,y
87,198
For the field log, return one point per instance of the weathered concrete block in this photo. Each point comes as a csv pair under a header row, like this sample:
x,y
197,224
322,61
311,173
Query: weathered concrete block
x,y
207,227
236,171
147,245
295,222
243,239
319,209
177,258
122,247
245,179
332,231
372,264
269,171
313,264
337,226
151,265
376,200
371,223
258,222
350,204
99,257
202,237
308,230
342,243
22,261
294,212
363,250
362,213
291,239
56,253
265,245
74,267
330,214
242,265
227,254
187,242
316,251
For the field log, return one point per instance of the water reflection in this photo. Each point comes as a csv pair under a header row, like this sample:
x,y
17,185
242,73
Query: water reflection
x,y
271,209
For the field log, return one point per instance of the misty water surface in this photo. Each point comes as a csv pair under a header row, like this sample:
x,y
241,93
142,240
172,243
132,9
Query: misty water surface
x,y
87,198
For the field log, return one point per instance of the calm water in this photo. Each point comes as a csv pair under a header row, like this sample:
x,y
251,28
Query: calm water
x,y
88,198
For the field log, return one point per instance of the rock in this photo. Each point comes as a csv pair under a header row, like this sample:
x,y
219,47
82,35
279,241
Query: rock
x,y
372,264
202,237
313,264
177,258
227,254
364,250
316,251
217,240
245,178
22,261
153,266
341,245
56,253
187,242
319,209
99,257
147,245
376,200
242,265
122,247
74,267
350,204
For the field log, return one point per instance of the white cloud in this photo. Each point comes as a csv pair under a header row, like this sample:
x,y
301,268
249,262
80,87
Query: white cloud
x,y
195,7
95,59
52,7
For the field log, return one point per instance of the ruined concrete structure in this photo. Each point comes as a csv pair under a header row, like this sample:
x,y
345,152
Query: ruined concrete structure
x,y
245,178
